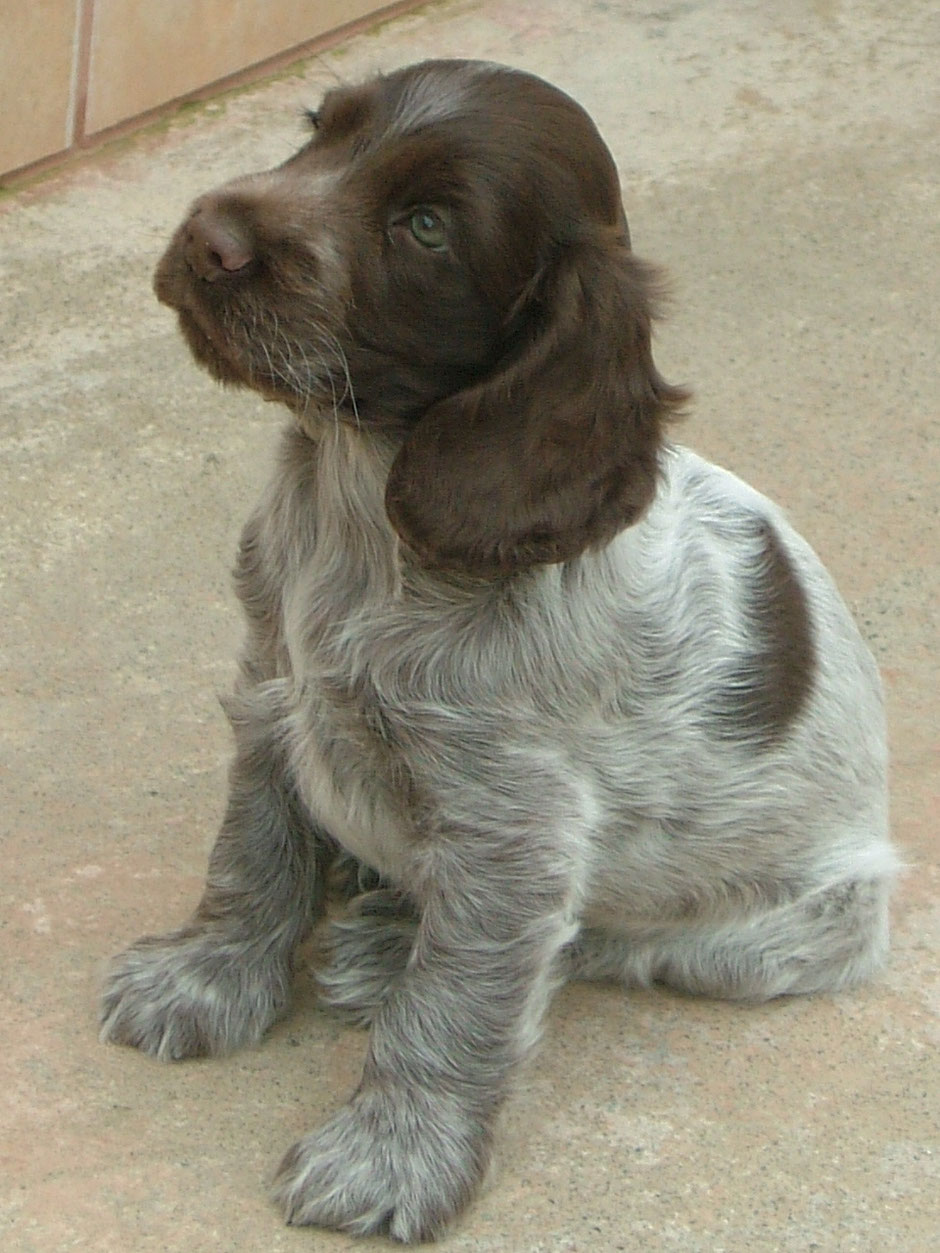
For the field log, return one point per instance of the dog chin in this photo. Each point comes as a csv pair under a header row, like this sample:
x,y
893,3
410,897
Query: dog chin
x,y
220,366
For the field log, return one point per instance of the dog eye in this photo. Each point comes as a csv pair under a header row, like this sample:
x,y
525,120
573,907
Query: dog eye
x,y
428,228
312,117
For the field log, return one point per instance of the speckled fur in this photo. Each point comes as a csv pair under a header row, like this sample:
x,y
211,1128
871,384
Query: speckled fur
x,y
661,759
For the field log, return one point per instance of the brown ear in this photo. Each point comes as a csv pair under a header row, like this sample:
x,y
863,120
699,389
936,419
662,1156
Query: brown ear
x,y
557,451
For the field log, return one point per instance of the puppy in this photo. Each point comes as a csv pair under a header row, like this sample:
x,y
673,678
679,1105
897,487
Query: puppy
x,y
569,700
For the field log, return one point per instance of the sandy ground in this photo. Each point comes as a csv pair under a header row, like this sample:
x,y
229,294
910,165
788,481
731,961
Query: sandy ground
x,y
781,160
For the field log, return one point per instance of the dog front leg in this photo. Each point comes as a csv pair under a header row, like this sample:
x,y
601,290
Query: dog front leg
x,y
219,981
410,1148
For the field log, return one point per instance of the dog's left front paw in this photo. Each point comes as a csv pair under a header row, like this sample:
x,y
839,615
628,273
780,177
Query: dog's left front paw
x,y
397,1163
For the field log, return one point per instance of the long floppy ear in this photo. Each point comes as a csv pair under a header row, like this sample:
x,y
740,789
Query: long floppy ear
x,y
557,451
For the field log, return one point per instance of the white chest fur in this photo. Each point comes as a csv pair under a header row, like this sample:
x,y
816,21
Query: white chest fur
x,y
335,574
348,797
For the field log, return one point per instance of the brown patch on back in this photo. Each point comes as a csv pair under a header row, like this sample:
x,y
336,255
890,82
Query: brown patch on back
x,y
766,689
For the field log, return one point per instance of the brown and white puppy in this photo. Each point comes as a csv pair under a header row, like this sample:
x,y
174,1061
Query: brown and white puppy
x,y
580,702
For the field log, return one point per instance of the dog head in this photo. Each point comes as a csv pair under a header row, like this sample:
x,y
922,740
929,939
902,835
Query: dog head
x,y
446,259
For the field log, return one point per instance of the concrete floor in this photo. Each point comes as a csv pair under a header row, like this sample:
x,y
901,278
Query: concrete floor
x,y
781,160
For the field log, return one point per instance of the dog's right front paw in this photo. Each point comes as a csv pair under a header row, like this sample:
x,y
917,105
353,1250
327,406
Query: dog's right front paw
x,y
188,994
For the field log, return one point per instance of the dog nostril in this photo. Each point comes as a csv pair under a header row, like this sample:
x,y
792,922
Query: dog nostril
x,y
216,249
229,252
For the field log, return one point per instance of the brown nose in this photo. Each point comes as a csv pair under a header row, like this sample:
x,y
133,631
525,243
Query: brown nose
x,y
217,247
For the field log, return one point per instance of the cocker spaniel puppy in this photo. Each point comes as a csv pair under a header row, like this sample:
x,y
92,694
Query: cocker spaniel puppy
x,y
567,699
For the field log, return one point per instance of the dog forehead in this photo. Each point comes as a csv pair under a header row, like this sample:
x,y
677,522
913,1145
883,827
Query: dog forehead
x,y
437,92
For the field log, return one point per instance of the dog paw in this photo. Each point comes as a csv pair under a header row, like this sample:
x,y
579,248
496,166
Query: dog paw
x,y
403,1165
189,994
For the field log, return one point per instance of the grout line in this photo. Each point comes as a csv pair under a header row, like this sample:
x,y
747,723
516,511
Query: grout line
x,y
81,70
69,137
78,82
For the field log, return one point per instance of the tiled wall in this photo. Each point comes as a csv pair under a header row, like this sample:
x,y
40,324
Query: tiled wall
x,y
72,69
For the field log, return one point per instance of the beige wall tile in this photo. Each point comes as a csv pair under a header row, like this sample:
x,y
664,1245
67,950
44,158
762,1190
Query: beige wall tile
x,y
145,53
37,41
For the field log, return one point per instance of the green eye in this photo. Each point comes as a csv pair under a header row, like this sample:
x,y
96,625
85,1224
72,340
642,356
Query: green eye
x,y
428,228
